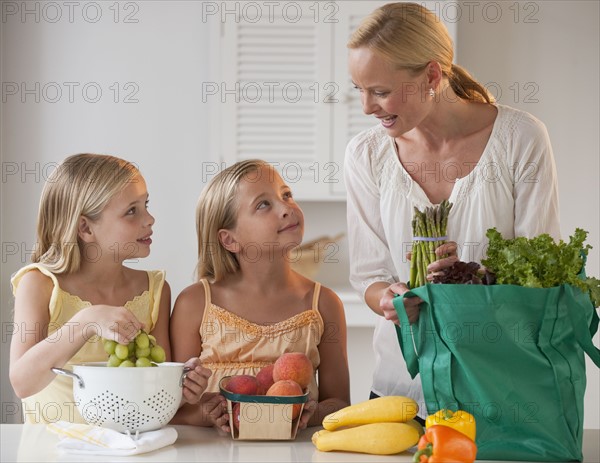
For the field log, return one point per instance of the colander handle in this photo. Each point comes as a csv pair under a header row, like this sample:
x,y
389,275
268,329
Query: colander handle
x,y
60,371
186,370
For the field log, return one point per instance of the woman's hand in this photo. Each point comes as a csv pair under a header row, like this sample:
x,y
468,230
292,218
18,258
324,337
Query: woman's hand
x,y
411,304
195,380
448,250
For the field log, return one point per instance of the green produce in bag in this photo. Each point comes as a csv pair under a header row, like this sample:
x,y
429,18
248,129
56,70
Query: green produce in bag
x,y
512,356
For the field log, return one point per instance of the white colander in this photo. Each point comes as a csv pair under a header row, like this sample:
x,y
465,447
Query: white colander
x,y
127,399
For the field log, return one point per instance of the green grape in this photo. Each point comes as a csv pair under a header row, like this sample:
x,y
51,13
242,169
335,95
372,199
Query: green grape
x,y
142,341
157,354
142,352
121,351
113,361
109,346
143,362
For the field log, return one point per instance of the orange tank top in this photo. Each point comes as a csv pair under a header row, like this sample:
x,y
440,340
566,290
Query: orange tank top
x,y
232,345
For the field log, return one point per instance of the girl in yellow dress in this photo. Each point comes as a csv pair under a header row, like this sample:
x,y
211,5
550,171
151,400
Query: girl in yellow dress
x,y
93,215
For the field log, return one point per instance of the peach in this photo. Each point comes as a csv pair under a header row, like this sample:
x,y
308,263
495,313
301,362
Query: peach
x,y
295,366
265,379
242,384
287,387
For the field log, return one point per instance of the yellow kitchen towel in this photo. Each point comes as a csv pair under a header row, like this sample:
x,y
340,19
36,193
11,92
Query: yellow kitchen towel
x,y
85,439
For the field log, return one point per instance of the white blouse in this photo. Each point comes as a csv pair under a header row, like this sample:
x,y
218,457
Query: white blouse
x,y
513,187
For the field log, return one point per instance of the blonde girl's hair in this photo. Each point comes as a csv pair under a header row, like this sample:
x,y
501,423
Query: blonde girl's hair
x,y
80,186
217,209
409,36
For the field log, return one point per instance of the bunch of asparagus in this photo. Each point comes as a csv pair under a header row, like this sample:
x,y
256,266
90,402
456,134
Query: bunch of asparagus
x,y
428,227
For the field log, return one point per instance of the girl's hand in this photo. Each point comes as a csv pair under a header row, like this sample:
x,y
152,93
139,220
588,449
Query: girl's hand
x,y
411,304
307,413
195,381
214,410
113,322
449,251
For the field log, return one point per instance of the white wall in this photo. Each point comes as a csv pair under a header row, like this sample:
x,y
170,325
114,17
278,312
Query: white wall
x,y
166,55
550,48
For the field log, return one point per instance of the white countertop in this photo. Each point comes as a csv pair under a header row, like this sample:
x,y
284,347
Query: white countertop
x,y
35,443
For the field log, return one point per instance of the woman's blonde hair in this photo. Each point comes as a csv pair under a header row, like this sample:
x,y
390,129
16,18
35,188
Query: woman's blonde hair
x,y
217,209
81,185
409,36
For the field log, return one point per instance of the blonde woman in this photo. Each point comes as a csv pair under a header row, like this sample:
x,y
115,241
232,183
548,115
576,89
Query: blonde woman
x,y
93,215
249,306
440,137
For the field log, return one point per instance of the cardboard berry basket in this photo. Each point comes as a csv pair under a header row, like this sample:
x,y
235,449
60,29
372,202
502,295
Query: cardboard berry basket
x,y
263,417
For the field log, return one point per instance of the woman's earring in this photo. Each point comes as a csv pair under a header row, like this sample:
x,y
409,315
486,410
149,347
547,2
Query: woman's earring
x,y
431,92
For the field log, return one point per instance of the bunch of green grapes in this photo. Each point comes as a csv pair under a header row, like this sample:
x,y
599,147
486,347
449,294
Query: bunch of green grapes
x,y
143,351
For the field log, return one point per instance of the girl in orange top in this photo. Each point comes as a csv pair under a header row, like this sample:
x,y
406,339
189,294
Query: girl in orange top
x,y
248,306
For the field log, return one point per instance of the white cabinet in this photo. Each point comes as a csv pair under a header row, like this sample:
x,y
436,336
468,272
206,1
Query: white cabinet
x,y
281,89
277,69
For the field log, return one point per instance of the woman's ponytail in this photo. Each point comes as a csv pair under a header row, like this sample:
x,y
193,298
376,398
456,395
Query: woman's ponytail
x,y
466,87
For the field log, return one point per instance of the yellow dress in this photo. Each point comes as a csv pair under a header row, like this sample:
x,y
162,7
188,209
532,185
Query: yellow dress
x,y
55,402
232,345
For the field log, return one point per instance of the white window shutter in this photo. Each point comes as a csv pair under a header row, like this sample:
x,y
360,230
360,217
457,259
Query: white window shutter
x,y
276,70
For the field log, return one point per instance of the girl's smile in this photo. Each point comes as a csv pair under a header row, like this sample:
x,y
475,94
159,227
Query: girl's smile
x,y
291,227
147,240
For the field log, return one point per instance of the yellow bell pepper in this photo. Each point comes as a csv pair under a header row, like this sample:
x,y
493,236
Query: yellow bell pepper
x,y
459,420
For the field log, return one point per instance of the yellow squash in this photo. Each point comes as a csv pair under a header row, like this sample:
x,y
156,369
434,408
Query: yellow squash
x,y
415,424
318,434
380,410
374,438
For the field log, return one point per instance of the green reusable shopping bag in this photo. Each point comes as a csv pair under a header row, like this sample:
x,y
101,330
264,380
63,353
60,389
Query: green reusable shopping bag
x,y
512,356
